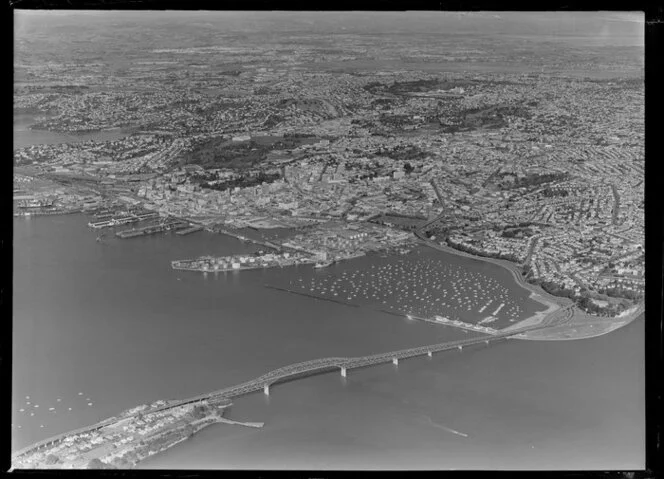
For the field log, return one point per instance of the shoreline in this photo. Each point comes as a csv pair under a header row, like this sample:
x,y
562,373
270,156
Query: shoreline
x,y
511,267
537,318
570,317
578,318
553,307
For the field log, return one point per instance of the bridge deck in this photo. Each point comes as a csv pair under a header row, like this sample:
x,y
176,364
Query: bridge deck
x,y
314,366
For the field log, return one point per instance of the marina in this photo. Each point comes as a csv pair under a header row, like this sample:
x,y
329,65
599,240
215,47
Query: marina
x,y
443,214
139,370
420,284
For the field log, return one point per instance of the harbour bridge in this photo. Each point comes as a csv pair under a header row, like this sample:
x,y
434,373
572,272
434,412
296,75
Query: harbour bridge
x,y
317,366
295,371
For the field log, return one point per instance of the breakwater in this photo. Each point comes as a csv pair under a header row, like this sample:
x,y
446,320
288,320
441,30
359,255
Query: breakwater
x,y
312,296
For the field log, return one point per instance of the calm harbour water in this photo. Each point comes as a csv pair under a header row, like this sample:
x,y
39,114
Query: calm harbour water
x,y
23,136
113,322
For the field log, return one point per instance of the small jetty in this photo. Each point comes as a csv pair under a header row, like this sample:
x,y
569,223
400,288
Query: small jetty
x,y
241,423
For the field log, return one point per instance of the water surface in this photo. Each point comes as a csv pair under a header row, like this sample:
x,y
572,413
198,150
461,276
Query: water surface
x,y
113,322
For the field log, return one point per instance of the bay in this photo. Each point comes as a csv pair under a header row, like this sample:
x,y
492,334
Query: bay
x,y
23,136
112,321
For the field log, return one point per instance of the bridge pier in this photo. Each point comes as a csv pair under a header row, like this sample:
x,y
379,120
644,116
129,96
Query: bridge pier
x,y
266,389
429,354
343,372
395,361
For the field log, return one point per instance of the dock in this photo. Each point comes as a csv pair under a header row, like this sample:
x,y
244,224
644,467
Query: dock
x,y
240,423
267,244
122,220
181,266
191,229
148,230
211,264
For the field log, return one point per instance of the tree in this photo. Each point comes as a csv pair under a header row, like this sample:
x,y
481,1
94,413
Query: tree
x,y
96,463
121,463
52,459
199,412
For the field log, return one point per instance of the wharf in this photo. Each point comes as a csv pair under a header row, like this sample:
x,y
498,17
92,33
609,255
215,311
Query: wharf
x,y
130,233
459,324
46,212
203,269
241,237
122,220
186,231
241,423
147,230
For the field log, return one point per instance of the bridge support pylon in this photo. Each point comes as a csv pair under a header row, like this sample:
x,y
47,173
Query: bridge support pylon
x,y
266,389
429,354
395,361
343,372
